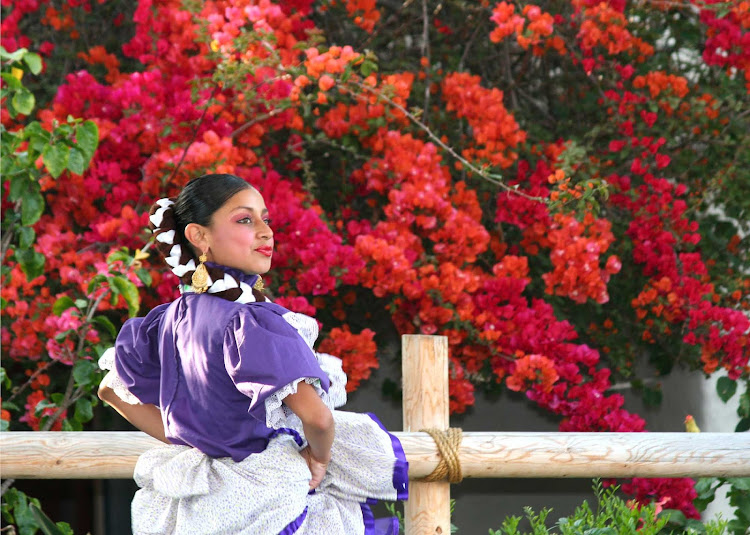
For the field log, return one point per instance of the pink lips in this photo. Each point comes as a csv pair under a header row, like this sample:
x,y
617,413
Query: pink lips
x,y
265,250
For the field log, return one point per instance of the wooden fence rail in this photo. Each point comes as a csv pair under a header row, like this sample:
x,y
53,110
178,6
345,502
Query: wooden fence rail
x,y
112,454
107,455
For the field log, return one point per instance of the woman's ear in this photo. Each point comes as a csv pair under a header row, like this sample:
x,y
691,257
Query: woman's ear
x,y
197,235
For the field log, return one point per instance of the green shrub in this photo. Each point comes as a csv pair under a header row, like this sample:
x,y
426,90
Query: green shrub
x,y
613,516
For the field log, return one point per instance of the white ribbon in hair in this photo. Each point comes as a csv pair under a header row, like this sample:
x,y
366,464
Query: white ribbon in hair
x,y
158,216
181,269
166,237
224,284
247,294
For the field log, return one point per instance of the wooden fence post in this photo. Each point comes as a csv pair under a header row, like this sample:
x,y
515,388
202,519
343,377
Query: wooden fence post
x,y
425,405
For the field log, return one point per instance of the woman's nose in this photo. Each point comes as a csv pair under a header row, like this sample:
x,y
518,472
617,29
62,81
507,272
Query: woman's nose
x,y
266,231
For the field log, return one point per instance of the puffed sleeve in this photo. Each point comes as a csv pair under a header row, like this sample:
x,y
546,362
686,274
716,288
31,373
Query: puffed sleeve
x,y
137,361
263,353
333,367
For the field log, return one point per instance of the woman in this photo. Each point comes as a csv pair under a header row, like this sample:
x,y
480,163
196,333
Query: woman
x,y
229,381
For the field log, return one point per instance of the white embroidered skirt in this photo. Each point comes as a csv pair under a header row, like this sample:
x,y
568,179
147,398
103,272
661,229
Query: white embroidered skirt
x,y
183,491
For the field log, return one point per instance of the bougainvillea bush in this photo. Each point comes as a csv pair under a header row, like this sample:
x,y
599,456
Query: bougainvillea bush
x,y
556,187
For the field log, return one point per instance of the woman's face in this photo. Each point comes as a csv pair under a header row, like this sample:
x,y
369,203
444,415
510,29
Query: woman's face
x,y
239,235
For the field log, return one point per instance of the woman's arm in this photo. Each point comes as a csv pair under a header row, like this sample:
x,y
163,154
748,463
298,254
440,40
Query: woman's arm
x,y
146,417
318,425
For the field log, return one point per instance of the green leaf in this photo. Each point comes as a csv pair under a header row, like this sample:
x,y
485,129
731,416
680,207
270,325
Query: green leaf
x,y
705,487
87,139
4,379
55,158
62,304
742,426
31,262
743,506
23,516
65,528
83,371
76,161
103,321
129,291
32,206
652,396
95,281
4,425
675,516
9,405
13,57
45,524
23,101
119,255
144,275
13,82
696,525
742,483
62,335
726,388
84,411
19,184
26,237
744,407
44,404
368,67
38,138
34,62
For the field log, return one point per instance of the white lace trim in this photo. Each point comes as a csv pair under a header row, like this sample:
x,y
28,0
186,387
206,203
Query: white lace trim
x,y
113,381
279,415
332,366
306,326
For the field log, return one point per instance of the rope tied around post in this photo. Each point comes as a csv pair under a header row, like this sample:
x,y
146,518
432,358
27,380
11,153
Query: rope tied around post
x,y
448,441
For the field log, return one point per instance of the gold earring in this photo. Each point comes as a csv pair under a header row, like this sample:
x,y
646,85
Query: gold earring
x,y
259,284
200,276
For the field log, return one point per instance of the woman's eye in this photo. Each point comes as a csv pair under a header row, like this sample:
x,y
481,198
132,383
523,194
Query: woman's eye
x,y
245,220
267,221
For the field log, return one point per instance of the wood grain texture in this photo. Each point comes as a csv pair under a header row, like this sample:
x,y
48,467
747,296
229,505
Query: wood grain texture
x,y
112,454
71,455
588,455
425,405
425,381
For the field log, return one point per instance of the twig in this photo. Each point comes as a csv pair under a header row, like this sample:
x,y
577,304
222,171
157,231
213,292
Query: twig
x,y
30,380
446,147
426,54
256,120
468,47
8,237
509,74
627,385
6,485
195,135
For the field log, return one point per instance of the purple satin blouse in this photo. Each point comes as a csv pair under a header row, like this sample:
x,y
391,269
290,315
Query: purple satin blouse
x,y
210,364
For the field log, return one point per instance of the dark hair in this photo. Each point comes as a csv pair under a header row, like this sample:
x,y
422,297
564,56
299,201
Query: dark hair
x,y
203,196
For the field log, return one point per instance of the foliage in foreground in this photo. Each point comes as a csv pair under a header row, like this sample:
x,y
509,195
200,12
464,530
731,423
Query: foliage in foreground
x,y
612,516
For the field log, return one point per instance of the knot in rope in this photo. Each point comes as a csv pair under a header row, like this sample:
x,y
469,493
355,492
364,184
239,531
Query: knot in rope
x,y
448,442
